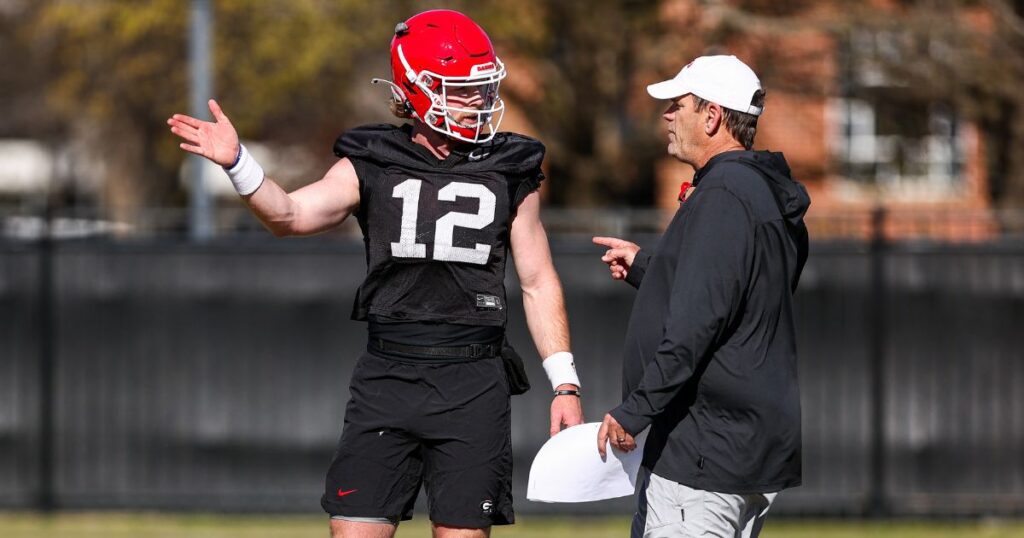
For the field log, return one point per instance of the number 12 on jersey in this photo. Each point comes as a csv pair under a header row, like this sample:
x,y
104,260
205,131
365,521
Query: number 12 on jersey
x,y
407,247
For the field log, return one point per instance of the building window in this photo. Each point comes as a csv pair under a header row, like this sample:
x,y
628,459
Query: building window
x,y
886,135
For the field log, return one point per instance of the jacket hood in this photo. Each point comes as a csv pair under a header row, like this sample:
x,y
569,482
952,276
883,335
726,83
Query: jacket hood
x,y
791,195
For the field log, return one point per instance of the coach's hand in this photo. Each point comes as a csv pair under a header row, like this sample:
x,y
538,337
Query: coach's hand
x,y
217,140
612,432
565,410
619,256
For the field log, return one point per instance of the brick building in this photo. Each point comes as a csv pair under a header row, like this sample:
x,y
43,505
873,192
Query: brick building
x,y
853,133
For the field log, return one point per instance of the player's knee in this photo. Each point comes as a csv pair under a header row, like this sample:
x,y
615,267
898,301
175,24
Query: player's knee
x,y
362,528
443,531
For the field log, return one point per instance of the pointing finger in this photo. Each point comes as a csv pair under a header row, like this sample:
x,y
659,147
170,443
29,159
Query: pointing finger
x,y
609,241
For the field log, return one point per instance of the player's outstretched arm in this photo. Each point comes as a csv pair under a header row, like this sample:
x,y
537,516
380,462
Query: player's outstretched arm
x,y
545,310
312,209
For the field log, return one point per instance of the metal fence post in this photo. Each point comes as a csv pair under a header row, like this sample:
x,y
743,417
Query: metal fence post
x,y
201,86
878,503
46,496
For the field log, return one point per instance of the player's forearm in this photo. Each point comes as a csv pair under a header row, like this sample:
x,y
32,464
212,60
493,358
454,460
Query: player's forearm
x,y
274,208
545,315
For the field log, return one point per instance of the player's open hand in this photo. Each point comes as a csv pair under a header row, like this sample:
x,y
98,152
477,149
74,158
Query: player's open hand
x,y
565,411
612,432
217,140
619,256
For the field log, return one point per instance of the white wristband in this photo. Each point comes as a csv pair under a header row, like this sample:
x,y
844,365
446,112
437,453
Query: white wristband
x,y
561,370
246,174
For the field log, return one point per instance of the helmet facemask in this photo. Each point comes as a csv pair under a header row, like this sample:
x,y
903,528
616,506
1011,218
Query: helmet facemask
x,y
475,124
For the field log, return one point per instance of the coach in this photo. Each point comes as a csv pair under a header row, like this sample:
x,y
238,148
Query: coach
x,y
710,359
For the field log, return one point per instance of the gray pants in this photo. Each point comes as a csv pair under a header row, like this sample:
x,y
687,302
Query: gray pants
x,y
668,509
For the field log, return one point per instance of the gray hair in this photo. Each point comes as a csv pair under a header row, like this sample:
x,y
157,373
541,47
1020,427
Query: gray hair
x,y
741,126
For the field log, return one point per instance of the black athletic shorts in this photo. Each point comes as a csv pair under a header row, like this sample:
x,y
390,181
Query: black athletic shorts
x,y
446,425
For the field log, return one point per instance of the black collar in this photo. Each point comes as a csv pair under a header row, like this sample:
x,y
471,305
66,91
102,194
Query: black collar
x,y
456,152
721,157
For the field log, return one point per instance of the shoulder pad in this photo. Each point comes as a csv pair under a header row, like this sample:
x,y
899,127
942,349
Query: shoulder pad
x,y
381,143
359,142
386,144
517,157
510,153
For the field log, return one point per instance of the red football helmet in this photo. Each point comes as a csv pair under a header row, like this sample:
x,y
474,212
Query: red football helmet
x,y
438,53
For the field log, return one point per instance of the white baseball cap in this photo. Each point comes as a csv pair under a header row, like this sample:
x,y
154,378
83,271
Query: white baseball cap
x,y
720,79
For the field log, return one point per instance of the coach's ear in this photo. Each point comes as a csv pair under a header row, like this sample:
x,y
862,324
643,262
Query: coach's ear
x,y
713,118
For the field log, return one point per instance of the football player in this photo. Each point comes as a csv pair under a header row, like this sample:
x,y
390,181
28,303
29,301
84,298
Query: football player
x,y
441,201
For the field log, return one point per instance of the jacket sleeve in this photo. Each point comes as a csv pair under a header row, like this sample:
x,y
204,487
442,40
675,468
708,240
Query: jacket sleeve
x,y
638,268
712,270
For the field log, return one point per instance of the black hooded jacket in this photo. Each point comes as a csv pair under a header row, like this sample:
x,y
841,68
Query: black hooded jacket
x,y
710,357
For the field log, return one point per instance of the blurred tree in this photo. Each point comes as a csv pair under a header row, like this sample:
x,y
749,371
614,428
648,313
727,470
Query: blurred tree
x,y
589,62
296,72
113,74
22,74
578,72
964,54
119,70
969,54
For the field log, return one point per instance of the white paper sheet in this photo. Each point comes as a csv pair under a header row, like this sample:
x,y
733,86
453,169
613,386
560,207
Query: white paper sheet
x,y
569,469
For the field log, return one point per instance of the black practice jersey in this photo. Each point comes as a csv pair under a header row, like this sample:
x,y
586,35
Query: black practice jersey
x,y
437,231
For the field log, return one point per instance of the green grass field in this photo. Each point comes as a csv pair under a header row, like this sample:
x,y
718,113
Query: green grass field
x,y
117,525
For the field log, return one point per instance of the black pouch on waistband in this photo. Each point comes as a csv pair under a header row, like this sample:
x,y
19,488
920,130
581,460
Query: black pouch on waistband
x,y
515,370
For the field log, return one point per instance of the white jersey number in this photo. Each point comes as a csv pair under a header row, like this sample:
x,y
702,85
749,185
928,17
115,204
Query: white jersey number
x,y
407,247
444,230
